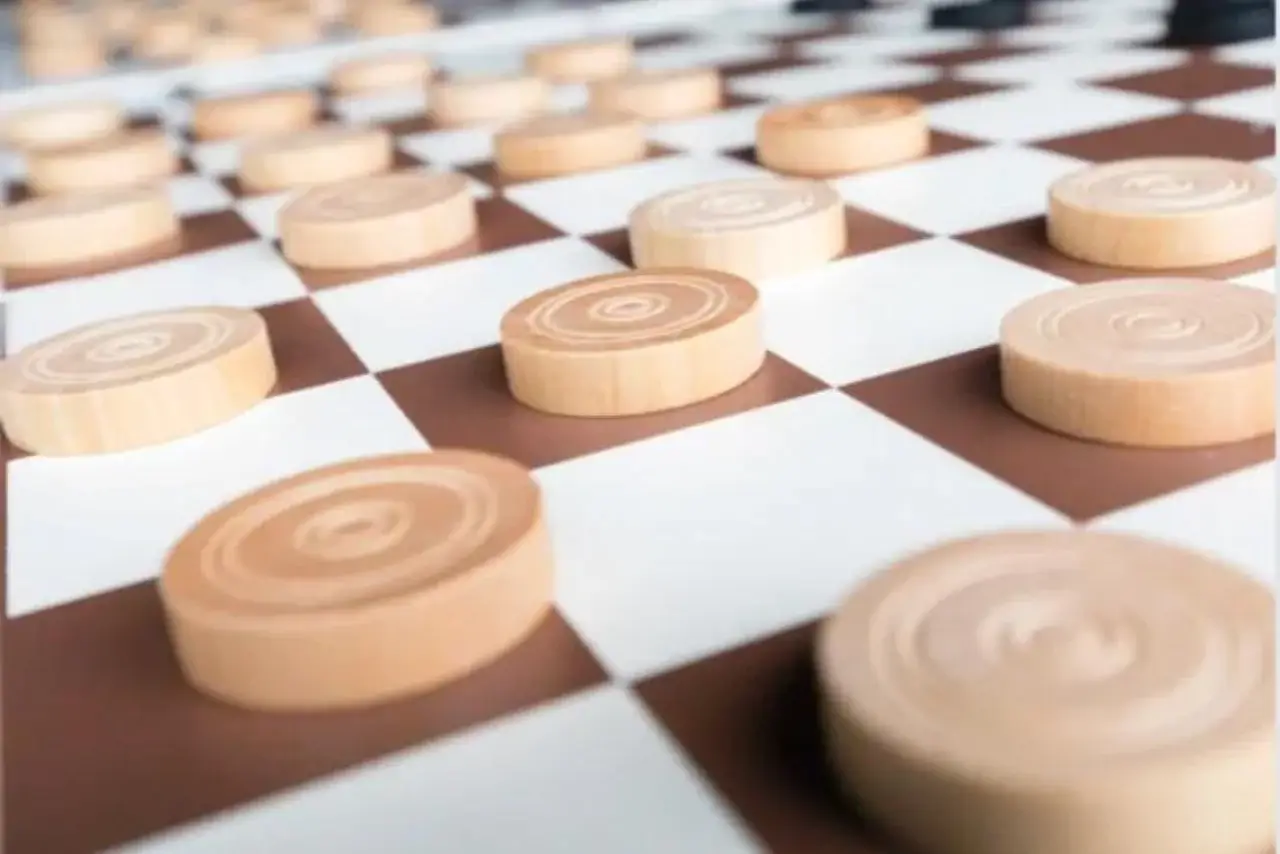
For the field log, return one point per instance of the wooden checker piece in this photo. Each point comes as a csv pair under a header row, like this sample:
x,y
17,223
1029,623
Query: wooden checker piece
x,y
380,73
376,221
757,228
75,228
135,381
257,114
360,582
61,125
320,155
551,145
582,61
1144,362
225,47
660,95
1163,213
484,100
57,61
289,27
168,35
633,342
839,136
394,19
1056,692
121,160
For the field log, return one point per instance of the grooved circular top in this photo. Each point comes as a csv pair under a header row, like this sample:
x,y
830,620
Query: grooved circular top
x,y
349,536
1142,327
1164,186
850,111
1042,657
627,310
374,197
732,205
126,350
319,135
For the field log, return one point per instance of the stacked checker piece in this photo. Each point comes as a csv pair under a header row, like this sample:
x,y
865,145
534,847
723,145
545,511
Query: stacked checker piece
x,y
432,546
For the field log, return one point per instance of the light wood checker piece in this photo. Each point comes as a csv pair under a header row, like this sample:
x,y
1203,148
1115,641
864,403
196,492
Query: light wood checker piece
x,y
225,47
394,19
1163,213
660,95
69,229
842,135
582,61
757,228
385,219
360,582
484,100
62,124
321,155
257,114
1056,692
120,160
551,145
1145,362
633,343
378,73
135,381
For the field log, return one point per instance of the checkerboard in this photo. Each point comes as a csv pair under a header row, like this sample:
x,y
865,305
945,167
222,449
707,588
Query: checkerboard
x,y
666,706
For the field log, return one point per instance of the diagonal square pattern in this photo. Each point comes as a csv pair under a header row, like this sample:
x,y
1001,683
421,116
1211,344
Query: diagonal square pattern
x,y
80,677
749,718
1201,77
956,403
1183,135
463,401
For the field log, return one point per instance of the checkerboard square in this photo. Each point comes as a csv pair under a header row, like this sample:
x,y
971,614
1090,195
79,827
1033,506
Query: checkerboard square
x,y
617,786
435,311
710,134
1183,135
956,403
601,201
702,53
959,192
861,46
248,274
194,757
1259,54
1017,115
463,401
1113,32
71,512
835,79
749,719
1231,517
1026,242
450,148
885,311
1198,78
1078,65
1256,106
948,59
756,532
